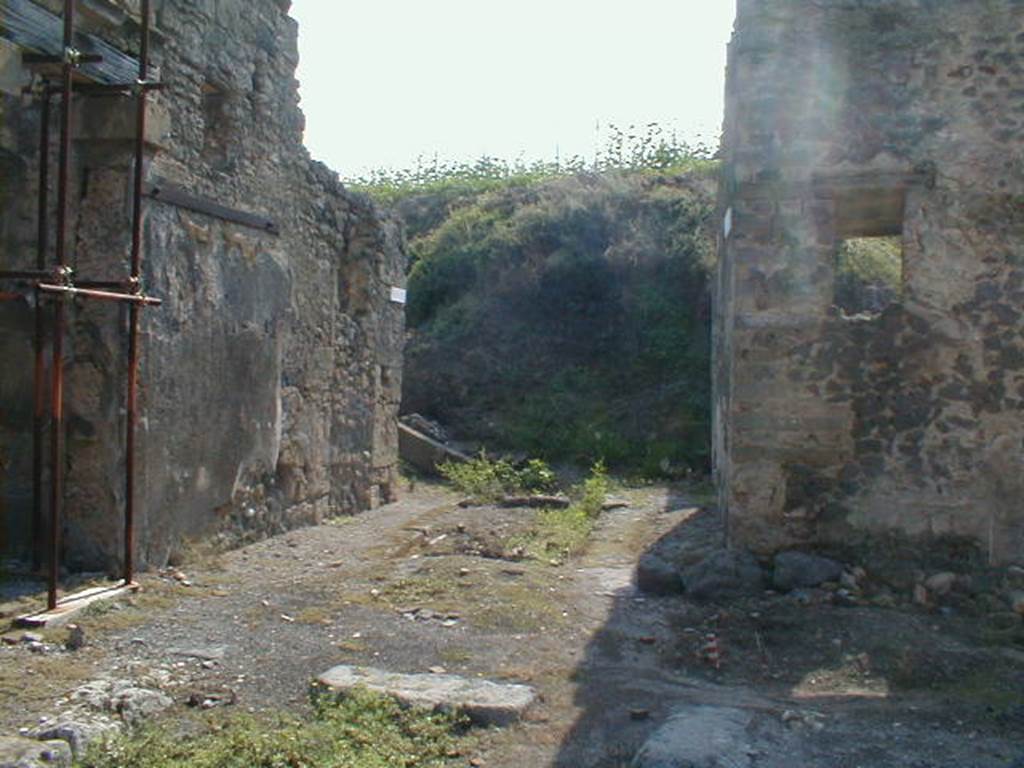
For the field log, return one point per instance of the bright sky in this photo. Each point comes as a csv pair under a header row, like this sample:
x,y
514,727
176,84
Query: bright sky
x,y
386,81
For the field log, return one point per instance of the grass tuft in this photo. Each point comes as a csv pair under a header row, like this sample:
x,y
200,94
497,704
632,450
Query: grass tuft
x,y
361,730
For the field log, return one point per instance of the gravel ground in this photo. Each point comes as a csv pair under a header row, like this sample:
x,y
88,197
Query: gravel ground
x,y
425,584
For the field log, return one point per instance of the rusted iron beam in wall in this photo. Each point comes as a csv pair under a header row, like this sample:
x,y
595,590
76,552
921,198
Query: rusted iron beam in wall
x,y
166,192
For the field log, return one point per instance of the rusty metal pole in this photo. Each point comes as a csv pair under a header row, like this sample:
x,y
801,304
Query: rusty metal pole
x,y
135,308
39,394
59,309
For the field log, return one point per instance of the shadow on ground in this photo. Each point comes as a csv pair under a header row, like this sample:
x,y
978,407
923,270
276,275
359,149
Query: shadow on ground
x,y
818,682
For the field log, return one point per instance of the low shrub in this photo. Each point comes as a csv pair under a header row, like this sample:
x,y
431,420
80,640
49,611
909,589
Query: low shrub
x,y
362,730
484,479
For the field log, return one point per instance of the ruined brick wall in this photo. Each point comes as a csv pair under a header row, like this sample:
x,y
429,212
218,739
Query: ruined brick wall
x,y
271,375
857,118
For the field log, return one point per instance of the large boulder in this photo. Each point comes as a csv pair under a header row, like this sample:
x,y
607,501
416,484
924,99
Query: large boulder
x,y
713,737
793,570
656,575
725,573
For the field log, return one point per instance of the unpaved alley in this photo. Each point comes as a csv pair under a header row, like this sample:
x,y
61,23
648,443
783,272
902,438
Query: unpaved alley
x,y
427,586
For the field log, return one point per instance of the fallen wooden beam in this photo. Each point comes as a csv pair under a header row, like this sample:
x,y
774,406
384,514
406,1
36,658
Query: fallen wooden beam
x,y
73,604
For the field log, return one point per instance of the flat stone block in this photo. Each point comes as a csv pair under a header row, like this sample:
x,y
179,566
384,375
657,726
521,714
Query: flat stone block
x,y
71,605
483,701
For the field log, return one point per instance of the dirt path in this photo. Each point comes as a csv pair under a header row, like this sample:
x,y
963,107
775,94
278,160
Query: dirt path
x,y
424,584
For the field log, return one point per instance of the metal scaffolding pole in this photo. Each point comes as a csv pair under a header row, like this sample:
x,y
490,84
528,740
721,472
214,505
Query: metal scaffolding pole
x,y
135,308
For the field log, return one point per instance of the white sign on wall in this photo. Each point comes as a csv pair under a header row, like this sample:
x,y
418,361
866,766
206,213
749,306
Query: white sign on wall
x,y
398,295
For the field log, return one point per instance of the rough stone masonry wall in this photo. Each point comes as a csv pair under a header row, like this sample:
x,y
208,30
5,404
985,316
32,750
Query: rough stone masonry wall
x,y
271,375
859,117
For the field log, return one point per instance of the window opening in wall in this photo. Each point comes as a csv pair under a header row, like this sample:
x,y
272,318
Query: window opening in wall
x,y
869,274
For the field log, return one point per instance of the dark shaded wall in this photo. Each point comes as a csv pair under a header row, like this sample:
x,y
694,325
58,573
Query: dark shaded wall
x,y
272,373
853,118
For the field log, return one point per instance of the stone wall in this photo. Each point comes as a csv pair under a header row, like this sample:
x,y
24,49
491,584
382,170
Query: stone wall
x,y
850,118
271,374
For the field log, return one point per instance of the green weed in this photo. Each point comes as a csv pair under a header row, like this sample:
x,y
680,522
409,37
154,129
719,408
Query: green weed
x,y
484,479
361,730
558,534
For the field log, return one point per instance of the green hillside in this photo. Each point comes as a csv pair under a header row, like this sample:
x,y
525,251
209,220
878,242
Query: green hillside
x,y
565,315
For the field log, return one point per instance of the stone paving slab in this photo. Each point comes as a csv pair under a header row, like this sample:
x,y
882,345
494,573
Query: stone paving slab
x,y
483,701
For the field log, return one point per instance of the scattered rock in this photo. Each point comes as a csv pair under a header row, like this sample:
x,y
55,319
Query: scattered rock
x,y
138,704
19,752
799,569
121,697
211,699
657,576
78,733
426,426
203,653
795,719
483,701
940,583
725,573
1016,601
31,637
76,638
612,504
920,594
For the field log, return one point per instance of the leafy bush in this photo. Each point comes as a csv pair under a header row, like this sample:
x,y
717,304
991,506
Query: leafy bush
x,y
362,730
590,495
486,480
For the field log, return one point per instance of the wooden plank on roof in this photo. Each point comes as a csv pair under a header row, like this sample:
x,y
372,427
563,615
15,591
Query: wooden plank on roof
x,y
33,28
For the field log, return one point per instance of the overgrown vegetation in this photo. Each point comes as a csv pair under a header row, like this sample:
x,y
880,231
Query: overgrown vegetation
x,y
485,480
635,148
558,534
568,319
361,730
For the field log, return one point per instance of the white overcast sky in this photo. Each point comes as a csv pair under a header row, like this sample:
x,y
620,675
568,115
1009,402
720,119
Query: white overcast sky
x,y
385,81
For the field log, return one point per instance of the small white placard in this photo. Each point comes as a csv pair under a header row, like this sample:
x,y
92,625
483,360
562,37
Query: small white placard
x,y
398,295
727,223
